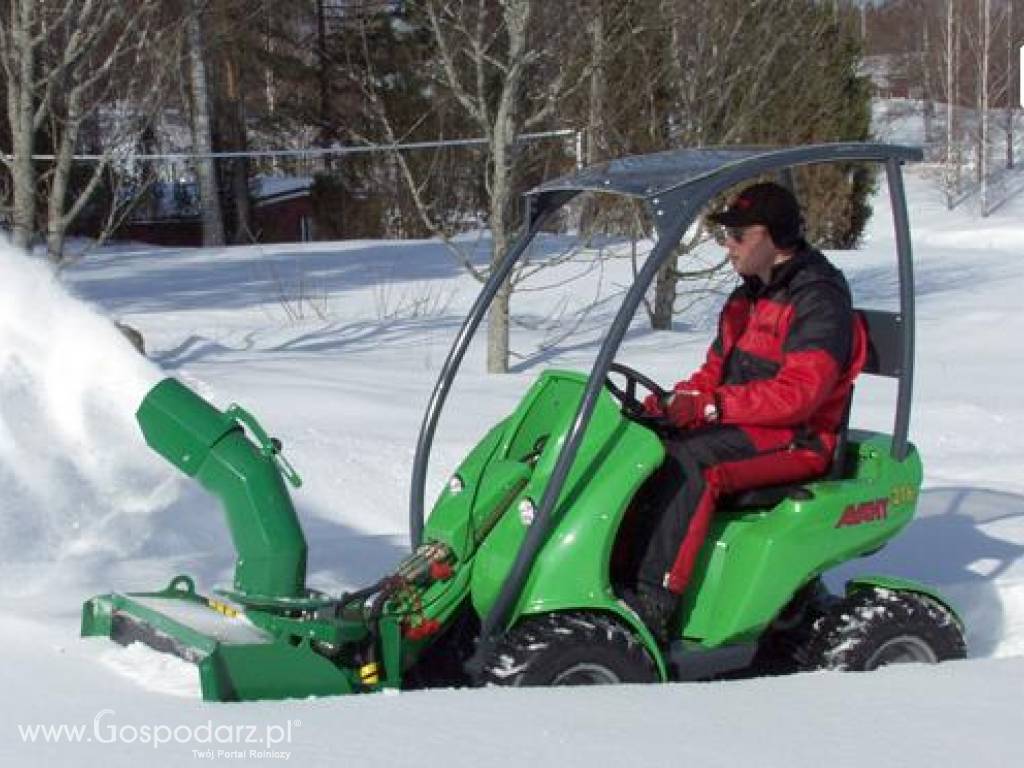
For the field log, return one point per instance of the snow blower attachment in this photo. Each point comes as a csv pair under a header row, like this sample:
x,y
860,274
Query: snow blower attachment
x,y
268,636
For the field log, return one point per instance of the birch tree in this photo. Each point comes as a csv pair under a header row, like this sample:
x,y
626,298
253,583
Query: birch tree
x,y
952,175
739,74
500,63
202,130
66,64
985,34
1012,89
477,48
1012,85
992,86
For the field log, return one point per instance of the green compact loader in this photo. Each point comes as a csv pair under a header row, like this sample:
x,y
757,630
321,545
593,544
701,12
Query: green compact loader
x,y
518,574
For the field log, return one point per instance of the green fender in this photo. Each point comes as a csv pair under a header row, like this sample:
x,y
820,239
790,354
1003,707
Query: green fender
x,y
902,585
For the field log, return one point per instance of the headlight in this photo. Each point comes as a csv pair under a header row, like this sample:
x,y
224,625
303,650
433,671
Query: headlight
x,y
455,485
527,511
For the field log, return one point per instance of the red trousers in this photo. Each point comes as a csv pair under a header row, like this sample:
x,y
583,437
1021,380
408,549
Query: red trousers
x,y
700,467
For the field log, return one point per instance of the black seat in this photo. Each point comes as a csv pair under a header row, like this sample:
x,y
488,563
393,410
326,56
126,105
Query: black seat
x,y
773,495
884,358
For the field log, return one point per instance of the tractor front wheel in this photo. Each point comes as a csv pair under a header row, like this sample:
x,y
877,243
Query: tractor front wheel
x,y
875,627
569,649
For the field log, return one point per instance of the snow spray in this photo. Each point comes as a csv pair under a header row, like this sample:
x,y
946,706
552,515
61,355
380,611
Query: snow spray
x,y
76,477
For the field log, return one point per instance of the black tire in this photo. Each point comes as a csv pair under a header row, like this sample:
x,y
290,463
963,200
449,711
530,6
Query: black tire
x,y
874,627
569,649
783,646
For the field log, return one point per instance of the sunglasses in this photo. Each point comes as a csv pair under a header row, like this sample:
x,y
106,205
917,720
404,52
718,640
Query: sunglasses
x,y
722,234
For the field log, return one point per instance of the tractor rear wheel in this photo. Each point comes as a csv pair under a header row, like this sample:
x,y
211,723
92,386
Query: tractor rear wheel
x,y
875,627
569,649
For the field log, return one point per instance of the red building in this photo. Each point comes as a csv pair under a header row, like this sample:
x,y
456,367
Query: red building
x,y
282,212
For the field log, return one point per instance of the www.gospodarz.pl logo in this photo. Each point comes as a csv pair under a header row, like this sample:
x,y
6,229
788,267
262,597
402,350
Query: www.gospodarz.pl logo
x,y
208,740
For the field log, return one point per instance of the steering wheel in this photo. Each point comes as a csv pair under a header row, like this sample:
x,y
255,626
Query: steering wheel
x,y
633,406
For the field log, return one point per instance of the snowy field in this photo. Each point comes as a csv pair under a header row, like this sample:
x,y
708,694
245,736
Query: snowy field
x,y
335,347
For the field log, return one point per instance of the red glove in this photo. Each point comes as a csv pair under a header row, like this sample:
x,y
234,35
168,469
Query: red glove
x,y
653,406
688,409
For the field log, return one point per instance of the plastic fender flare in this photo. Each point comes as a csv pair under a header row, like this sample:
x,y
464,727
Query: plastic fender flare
x,y
619,610
903,585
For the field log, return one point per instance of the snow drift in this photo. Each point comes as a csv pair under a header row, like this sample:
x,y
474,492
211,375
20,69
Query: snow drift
x,y
72,460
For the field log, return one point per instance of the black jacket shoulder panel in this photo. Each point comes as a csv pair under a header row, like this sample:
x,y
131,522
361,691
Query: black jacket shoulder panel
x,y
823,311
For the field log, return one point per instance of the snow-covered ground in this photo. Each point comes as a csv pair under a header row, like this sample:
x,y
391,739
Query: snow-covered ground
x,y
336,347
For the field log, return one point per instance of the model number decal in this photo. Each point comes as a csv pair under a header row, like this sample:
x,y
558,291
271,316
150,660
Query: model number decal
x,y
865,512
902,494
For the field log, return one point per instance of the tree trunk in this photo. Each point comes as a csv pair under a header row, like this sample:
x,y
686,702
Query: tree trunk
x,y
926,77
986,40
497,322
324,78
1011,93
597,146
239,143
21,113
957,52
665,286
56,226
497,331
951,103
664,296
269,82
202,137
516,15
597,140
268,72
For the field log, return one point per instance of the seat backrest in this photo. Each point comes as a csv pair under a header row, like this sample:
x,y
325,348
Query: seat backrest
x,y
882,333
885,342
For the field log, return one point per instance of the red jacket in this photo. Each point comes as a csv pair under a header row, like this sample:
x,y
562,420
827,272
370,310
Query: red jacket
x,y
787,352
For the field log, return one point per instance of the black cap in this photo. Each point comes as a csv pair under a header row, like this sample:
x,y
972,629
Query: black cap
x,y
769,204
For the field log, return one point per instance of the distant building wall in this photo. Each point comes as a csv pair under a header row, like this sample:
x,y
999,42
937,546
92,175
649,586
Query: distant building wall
x,y
171,232
282,213
284,219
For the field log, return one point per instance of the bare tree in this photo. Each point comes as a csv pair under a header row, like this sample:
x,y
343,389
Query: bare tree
x,y
65,65
738,74
985,33
202,136
20,50
993,86
489,59
234,40
269,84
952,174
1012,92
927,90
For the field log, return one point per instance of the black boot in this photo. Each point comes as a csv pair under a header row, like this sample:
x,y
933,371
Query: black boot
x,y
656,606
